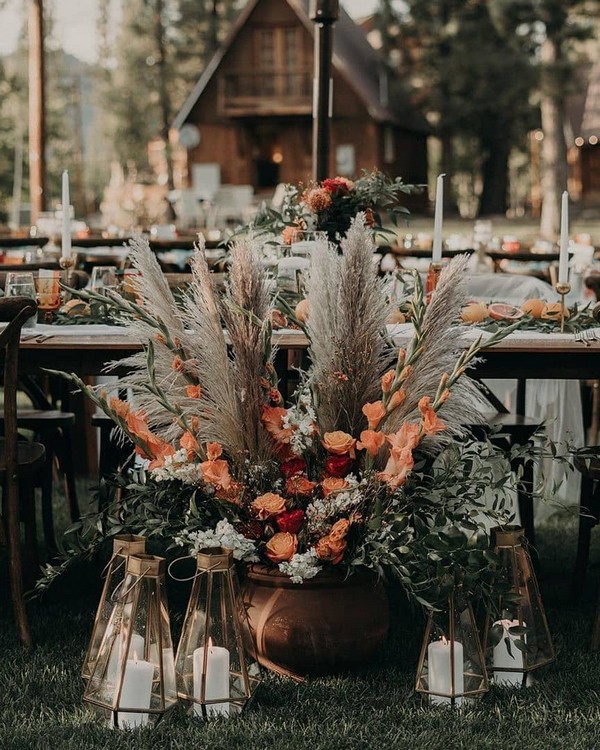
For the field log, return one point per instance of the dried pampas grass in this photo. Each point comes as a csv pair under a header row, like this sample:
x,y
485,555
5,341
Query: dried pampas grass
x,y
346,326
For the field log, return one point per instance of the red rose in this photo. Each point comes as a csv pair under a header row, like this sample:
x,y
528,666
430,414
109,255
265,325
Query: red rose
x,y
290,521
338,466
338,185
292,467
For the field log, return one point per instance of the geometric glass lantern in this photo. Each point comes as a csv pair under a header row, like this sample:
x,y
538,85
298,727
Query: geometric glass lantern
x,y
217,671
123,545
451,667
520,641
133,679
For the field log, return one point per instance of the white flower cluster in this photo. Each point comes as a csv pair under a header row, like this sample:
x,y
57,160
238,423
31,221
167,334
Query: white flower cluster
x,y
301,567
301,420
223,535
320,513
178,467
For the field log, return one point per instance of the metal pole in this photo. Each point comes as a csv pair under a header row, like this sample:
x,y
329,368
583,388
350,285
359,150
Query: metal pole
x,y
324,13
37,119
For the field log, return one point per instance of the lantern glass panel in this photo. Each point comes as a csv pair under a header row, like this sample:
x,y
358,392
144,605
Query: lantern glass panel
x,y
214,668
133,680
520,641
451,667
123,546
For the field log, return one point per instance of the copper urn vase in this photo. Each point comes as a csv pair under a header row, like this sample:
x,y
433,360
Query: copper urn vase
x,y
328,624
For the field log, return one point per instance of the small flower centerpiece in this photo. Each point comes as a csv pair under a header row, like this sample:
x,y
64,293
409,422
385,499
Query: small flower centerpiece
x,y
348,472
331,205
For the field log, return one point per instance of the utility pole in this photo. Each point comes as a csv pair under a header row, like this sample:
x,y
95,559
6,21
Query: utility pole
x,y
323,13
37,114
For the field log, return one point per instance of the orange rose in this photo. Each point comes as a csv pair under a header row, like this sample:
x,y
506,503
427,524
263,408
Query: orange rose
x,y
371,441
339,443
387,380
339,529
396,399
216,473
431,422
232,493
299,485
330,550
333,484
214,451
268,505
281,546
374,413
193,391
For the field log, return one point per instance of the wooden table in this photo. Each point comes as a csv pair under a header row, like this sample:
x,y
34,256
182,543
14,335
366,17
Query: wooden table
x,y
535,356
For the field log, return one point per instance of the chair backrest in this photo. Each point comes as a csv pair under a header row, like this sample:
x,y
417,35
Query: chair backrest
x,y
14,311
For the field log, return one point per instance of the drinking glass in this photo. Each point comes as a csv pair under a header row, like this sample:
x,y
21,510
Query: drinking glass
x,y
304,241
104,279
21,285
47,286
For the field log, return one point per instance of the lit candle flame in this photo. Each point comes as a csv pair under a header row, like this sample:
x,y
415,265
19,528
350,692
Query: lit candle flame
x,y
444,640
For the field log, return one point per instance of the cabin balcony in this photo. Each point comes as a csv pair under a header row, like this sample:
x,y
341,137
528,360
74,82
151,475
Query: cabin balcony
x,y
246,94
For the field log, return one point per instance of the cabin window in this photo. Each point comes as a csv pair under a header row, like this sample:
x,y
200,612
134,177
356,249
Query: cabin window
x,y
279,56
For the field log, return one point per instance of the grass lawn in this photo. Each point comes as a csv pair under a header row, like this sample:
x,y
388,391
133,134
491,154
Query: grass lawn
x,y
41,704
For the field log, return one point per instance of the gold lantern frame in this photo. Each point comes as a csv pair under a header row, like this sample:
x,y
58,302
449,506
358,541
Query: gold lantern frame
x,y
123,546
216,610
538,651
139,619
459,616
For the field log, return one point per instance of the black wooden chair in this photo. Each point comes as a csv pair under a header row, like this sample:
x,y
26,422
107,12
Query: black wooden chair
x,y
18,459
587,462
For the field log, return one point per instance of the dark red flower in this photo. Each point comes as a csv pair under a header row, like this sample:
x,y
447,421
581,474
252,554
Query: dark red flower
x,y
338,185
292,467
251,529
290,521
338,466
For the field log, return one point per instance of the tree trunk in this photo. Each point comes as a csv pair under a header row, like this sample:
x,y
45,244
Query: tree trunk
x,y
165,99
494,174
553,165
37,109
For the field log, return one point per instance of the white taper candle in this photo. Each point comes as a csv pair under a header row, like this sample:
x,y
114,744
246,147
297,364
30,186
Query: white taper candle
x,y
66,216
438,220
563,259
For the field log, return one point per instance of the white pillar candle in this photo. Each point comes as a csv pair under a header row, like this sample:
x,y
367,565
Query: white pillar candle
x,y
503,659
563,259
66,216
135,693
439,671
136,649
216,680
438,220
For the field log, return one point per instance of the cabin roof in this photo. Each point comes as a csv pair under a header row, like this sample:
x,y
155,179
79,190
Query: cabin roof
x,y
353,57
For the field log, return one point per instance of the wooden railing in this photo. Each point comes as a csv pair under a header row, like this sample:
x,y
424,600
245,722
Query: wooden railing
x,y
244,93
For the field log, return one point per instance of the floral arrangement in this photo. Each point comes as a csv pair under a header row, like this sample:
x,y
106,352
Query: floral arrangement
x,y
359,469
331,205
